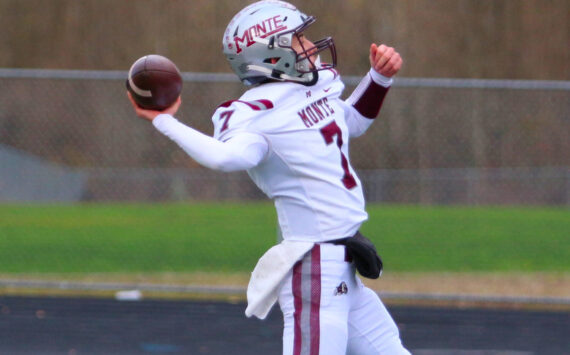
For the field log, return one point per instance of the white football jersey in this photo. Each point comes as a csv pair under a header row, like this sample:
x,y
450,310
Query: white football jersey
x,y
307,170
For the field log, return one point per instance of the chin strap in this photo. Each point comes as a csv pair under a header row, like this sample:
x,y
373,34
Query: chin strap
x,y
277,75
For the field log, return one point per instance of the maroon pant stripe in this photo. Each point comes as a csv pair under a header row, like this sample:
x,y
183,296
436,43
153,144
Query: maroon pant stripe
x,y
298,303
315,299
307,323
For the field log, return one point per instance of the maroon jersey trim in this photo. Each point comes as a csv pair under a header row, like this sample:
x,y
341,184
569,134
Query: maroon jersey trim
x,y
256,105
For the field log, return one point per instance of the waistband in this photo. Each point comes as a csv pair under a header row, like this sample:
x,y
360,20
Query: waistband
x,y
333,252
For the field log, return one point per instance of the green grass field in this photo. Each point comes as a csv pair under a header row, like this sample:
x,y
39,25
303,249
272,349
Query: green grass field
x,y
230,237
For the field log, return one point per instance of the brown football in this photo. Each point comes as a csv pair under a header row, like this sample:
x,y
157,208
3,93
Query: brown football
x,y
154,82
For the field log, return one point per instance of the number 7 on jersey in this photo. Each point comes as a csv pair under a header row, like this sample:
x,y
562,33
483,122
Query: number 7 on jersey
x,y
329,132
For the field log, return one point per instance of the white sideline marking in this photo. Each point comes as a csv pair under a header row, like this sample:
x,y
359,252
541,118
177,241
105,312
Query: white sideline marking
x,y
239,290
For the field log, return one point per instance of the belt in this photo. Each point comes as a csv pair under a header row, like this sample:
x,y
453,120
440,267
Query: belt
x,y
363,253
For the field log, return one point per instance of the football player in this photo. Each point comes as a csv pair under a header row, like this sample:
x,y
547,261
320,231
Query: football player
x,y
290,131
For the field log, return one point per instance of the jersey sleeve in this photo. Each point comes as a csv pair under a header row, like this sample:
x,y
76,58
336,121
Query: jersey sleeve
x,y
365,102
243,151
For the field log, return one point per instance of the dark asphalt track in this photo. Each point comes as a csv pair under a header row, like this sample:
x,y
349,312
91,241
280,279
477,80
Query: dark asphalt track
x,y
106,326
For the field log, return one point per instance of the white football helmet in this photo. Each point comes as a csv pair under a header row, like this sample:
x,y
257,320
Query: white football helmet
x,y
257,43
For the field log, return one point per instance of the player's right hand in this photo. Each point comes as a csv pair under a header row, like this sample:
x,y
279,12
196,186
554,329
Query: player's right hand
x,y
151,114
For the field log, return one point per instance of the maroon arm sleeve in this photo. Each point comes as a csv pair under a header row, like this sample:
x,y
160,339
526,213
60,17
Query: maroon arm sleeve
x,y
368,97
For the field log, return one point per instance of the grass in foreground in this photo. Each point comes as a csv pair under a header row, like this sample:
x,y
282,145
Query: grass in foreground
x,y
230,237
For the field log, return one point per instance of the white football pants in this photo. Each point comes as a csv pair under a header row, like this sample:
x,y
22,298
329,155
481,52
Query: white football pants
x,y
328,311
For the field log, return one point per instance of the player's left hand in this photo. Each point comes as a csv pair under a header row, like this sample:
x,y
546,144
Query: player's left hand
x,y
385,60
151,114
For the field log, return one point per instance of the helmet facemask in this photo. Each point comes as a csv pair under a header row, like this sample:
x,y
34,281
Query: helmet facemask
x,y
308,60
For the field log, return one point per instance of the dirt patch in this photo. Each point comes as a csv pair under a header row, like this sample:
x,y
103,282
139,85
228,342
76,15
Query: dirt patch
x,y
503,285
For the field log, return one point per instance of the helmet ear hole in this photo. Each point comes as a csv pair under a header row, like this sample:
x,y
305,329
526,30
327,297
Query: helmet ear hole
x,y
273,60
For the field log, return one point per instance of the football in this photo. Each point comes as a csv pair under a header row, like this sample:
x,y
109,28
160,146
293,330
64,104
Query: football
x,y
154,82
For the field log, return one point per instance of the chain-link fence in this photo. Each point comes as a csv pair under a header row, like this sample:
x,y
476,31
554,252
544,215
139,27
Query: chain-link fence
x,y
72,136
